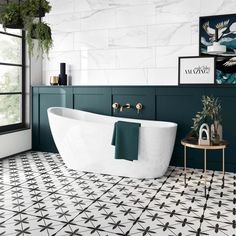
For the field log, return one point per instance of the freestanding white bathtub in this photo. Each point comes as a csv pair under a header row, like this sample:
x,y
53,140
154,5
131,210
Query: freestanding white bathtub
x,y
84,139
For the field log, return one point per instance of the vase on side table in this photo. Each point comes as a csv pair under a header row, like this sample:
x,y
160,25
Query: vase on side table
x,y
216,132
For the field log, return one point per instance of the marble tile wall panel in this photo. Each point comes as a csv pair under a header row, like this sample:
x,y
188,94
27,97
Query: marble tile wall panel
x,y
126,41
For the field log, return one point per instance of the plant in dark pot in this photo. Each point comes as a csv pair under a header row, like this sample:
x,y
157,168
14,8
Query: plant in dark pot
x,y
42,33
211,111
35,8
11,17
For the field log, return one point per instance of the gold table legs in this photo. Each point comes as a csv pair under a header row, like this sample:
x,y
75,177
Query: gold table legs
x,y
185,171
205,157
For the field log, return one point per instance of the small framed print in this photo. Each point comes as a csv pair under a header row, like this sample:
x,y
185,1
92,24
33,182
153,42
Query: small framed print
x,y
196,70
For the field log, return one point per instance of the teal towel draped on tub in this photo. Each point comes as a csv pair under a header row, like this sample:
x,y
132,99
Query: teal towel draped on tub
x,y
125,140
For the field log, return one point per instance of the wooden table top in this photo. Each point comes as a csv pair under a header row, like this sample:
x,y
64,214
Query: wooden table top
x,y
194,144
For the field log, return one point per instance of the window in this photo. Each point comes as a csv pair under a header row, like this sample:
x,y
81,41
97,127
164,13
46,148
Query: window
x,y
12,79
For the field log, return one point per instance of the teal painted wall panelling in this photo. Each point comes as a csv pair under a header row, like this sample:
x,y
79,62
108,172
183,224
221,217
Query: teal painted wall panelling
x,y
50,97
146,96
227,97
179,105
35,118
167,103
96,100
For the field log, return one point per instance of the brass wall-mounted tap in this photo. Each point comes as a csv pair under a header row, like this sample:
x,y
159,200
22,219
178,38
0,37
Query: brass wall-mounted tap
x,y
116,106
126,106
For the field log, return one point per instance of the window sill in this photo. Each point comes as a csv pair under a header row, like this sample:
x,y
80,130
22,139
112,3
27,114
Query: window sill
x,y
14,131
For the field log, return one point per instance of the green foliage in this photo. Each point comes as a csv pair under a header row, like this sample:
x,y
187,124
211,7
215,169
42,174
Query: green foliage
x,y
211,110
33,8
42,32
26,14
11,15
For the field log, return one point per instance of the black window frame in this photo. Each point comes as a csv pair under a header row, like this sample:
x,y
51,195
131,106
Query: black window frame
x,y
20,125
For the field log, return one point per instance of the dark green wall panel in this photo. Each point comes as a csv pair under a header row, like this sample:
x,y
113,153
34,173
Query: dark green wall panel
x,y
42,100
179,105
228,101
96,100
167,103
145,96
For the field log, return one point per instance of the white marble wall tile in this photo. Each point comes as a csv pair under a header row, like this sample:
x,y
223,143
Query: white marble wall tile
x,y
129,42
63,6
70,22
90,77
128,77
98,59
168,56
135,16
195,32
172,11
212,7
227,7
92,39
88,5
71,58
119,3
62,41
128,37
169,34
98,19
163,76
135,58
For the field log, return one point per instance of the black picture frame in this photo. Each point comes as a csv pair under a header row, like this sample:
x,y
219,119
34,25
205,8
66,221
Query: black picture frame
x,y
225,74
198,66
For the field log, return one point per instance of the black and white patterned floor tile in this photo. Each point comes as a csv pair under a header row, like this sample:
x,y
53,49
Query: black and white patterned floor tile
x,y
40,196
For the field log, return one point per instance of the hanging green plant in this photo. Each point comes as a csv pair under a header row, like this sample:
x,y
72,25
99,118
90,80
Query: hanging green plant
x,y
10,16
35,8
42,33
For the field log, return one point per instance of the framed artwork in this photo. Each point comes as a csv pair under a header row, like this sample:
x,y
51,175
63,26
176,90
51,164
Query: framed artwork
x,y
219,32
196,70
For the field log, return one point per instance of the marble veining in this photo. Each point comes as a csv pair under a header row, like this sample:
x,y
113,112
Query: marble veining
x,y
119,35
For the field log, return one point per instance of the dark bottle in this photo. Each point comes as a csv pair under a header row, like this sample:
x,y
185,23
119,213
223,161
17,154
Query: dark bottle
x,y
62,75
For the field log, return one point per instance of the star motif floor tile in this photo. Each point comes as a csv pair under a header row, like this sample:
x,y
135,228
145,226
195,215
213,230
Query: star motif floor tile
x,y
40,196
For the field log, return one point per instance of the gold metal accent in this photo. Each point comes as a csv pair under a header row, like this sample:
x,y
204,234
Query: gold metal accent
x,y
222,145
205,156
223,160
115,105
126,106
139,107
54,80
195,145
185,169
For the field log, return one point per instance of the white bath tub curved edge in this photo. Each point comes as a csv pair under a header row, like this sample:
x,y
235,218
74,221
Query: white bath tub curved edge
x,y
83,139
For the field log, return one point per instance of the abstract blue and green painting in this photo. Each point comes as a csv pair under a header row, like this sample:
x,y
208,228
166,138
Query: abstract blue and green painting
x,y
220,29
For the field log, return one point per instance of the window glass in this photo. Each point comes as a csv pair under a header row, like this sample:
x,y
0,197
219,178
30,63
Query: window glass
x,y
10,79
10,49
10,109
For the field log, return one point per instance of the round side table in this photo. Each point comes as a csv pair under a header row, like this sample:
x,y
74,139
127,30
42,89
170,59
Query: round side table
x,y
194,144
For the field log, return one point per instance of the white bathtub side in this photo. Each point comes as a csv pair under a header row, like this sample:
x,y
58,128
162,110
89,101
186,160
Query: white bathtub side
x,y
86,146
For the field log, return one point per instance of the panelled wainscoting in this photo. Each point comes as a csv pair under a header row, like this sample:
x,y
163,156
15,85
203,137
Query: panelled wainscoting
x,y
167,103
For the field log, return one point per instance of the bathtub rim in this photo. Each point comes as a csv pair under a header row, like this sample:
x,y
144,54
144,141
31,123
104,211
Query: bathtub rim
x,y
166,124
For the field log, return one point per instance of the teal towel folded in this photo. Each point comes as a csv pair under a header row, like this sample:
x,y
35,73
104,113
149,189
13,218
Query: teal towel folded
x,y
125,140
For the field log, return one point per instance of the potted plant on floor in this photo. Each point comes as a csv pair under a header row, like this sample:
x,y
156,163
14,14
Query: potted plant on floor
x,y
211,112
11,17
